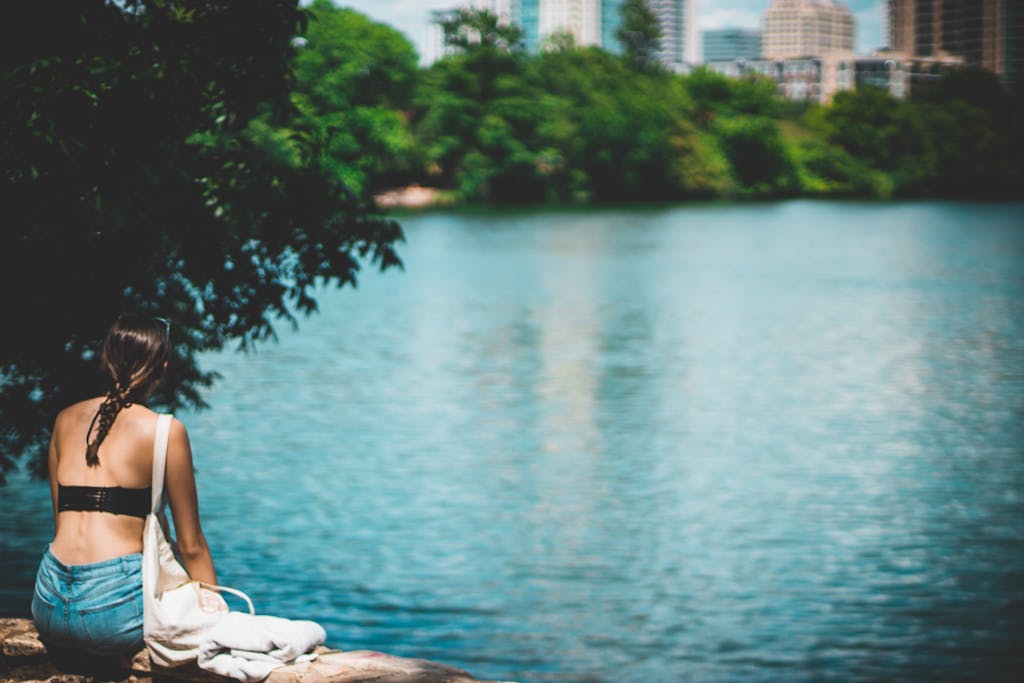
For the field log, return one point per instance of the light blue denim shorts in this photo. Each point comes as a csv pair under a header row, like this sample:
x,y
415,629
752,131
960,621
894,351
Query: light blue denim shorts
x,y
94,608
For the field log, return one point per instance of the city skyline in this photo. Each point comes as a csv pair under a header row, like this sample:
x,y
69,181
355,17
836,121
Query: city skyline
x,y
412,17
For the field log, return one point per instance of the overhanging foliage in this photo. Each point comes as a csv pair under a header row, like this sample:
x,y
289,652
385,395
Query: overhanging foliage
x,y
136,179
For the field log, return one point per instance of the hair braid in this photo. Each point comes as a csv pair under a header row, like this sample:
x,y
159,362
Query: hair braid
x,y
117,399
134,354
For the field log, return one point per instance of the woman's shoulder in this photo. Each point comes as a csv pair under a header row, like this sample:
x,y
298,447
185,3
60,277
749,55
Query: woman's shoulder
x,y
147,418
141,418
76,412
136,416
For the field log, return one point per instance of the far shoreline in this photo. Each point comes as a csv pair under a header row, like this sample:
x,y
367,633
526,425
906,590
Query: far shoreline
x,y
414,200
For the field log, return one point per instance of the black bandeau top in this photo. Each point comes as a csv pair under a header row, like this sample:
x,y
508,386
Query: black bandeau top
x,y
116,500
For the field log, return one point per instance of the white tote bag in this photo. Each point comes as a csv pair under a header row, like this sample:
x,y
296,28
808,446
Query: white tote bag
x,y
174,623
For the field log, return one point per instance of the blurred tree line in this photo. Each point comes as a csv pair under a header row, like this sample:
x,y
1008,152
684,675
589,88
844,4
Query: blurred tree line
x,y
491,123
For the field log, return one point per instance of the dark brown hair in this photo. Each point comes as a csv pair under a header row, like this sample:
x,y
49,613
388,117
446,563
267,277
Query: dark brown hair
x,y
134,353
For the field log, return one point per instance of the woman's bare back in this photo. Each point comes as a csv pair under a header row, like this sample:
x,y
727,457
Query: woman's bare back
x,y
125,460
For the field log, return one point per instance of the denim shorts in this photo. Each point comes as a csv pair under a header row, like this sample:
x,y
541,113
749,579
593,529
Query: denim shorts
x,y
94,608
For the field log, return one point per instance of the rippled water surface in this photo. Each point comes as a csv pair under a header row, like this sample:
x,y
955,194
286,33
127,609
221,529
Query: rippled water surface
x,y
777,442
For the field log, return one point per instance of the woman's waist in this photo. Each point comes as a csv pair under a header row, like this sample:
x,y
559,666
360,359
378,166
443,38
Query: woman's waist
x,y
89,547
127,563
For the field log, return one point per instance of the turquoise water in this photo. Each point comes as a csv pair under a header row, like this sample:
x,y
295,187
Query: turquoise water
x,y
715,443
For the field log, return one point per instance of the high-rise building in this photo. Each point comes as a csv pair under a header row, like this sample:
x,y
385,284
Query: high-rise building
x,y
589,22
936,28
595,22
727,44
611,18
807,28
540,19
680,32
899,28
1013,62
579,18
985,33
526,13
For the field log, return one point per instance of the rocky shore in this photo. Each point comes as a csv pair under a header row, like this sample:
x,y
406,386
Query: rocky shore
x,y
23,658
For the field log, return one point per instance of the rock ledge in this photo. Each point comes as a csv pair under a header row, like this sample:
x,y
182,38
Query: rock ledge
x,y
24,659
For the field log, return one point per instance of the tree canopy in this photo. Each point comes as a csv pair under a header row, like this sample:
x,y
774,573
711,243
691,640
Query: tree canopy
x,y
639,33
577,123
466,29
354,81
148,168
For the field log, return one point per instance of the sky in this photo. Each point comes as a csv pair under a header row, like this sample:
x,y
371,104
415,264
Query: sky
x,y
412,17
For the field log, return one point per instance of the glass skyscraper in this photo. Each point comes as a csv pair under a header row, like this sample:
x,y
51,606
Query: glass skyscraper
x,y
610,20
680,42
726,44
526,13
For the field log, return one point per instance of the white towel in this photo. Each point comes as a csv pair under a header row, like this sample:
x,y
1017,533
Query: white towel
x,y
248,648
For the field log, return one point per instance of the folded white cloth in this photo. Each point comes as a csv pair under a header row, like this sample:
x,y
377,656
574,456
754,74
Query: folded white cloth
x,y
248,648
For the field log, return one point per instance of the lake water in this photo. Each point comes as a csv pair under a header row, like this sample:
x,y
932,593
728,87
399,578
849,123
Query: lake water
x,y
767,442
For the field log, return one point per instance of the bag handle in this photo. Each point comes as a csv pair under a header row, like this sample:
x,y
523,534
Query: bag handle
x,y
233,591
163,432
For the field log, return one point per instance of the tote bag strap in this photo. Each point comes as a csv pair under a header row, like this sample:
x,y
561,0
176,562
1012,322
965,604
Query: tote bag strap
x,y
233,591
163,431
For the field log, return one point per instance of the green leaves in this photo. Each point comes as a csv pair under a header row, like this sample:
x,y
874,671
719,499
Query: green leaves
x,y
961,137
758,155
471,30
153,164
640,34
354,80
348,60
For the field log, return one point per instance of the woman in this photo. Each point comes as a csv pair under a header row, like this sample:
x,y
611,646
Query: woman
x,y
88,592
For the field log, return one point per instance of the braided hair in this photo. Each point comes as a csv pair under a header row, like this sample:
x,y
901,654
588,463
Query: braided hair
x,y
134,353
